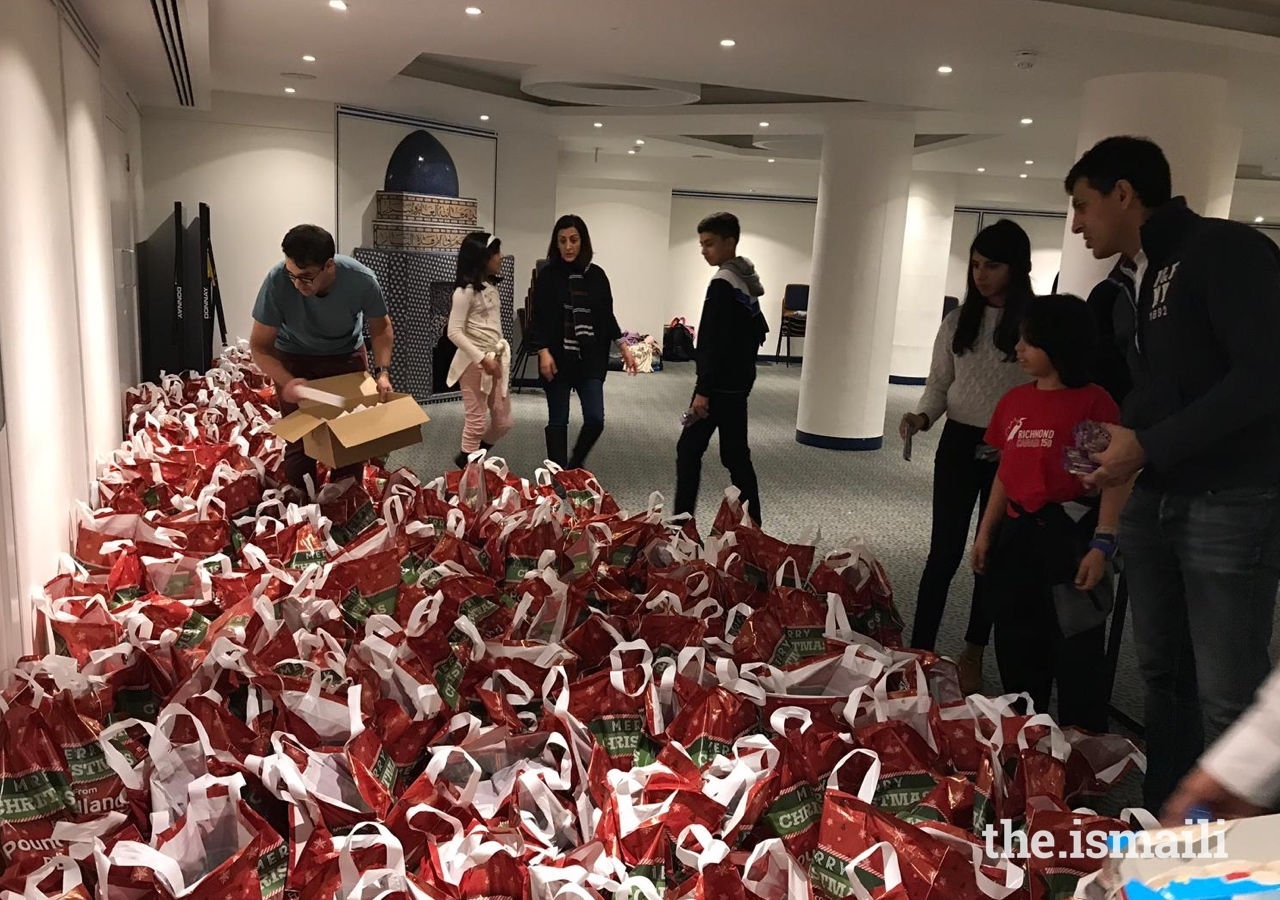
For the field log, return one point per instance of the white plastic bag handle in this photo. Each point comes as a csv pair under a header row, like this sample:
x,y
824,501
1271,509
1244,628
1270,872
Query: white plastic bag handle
x,y
779,578
870,781
70,878
838,623
714,851
1058,745
636,884
130,778
133,853
440,759
1014,876
892,869
784,714
359,838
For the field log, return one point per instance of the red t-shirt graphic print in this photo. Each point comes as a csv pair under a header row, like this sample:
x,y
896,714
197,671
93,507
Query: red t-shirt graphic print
x,y
1032,429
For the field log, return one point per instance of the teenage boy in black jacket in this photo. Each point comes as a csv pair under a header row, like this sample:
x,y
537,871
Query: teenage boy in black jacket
x,y
1201,534
731,331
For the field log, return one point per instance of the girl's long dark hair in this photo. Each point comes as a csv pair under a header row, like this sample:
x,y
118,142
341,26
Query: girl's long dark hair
x,y
1016,298
585,254
473,260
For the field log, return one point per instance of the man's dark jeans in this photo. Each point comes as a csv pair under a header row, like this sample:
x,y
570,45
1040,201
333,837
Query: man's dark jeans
x,y
1203,570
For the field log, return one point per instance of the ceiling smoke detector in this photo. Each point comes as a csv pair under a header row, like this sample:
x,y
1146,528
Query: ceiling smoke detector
x,y
1027,59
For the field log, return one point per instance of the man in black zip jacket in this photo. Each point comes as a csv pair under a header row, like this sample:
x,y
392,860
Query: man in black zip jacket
x,y
1201,535
731,331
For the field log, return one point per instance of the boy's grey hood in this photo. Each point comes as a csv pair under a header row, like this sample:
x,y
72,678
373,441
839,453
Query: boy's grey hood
x,y
741,272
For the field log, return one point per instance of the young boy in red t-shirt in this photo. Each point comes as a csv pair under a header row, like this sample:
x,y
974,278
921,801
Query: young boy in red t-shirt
x,y
1040,529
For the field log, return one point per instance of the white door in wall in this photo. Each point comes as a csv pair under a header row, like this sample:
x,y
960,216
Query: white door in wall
x,y
120,189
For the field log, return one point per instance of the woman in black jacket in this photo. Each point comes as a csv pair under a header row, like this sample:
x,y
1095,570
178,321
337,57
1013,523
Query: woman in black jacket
x,y
572,328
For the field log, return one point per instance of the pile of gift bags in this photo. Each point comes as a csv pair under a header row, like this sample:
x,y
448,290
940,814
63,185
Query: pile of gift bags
x,y
484,686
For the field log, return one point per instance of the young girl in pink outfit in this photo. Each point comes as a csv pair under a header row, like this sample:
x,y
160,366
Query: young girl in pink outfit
x,y
482,365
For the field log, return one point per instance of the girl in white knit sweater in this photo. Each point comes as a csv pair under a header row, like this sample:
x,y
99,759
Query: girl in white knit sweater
x,y
481,367
974,365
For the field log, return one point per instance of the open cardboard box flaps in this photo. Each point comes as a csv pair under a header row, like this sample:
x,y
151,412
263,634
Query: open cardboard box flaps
x,y
361,428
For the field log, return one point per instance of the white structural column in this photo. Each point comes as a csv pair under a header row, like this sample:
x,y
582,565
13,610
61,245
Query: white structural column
x,y
525,204
1189,116
857,260
926,252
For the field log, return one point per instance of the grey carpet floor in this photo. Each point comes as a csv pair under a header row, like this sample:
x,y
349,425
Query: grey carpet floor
x,y
876,495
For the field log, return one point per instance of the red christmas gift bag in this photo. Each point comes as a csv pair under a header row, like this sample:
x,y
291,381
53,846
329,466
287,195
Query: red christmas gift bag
x,y
860,580
220,850
908,765
1076,847
36,788
710,720
58,879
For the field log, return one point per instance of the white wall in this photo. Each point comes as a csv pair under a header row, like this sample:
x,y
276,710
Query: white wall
x,y
262,164
630,226
50,93
364,149
925,255
1045,233
963,230
777,237
526,202
91,227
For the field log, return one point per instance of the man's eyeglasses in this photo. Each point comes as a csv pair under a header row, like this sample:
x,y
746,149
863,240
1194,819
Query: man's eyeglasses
x,y
301,279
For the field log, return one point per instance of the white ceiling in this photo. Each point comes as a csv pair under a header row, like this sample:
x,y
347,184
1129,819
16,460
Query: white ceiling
x,y
883,53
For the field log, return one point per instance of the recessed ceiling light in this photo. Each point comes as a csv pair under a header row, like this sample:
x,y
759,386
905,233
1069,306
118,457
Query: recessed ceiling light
x,y
484,118
474,10
1260,219
764,124
1023,175
420,159
1028,121
981,169
639,142
308,58
1031,162
599,124
945,70
728,42
291,90
773,160
339,5
632,151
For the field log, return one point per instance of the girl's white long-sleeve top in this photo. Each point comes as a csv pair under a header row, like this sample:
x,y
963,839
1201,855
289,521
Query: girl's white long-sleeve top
x,y
475,327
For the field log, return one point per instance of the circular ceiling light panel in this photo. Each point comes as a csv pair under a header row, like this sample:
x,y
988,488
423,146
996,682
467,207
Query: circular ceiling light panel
x,y
796,146
598,89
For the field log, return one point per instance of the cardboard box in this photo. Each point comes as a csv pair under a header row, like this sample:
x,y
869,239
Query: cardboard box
x,y
361,428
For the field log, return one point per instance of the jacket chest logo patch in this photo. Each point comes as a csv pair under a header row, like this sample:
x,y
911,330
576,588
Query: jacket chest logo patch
x,y
1160,292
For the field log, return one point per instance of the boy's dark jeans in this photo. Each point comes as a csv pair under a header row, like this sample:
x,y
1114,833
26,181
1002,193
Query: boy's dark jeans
x,y
1202,571
728,414
1028,556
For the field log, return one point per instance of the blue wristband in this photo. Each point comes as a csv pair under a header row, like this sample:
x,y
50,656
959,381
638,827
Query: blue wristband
x,y
1106,543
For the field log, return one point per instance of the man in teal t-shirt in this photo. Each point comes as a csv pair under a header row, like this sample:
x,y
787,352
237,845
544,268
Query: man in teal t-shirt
x,y
308,322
